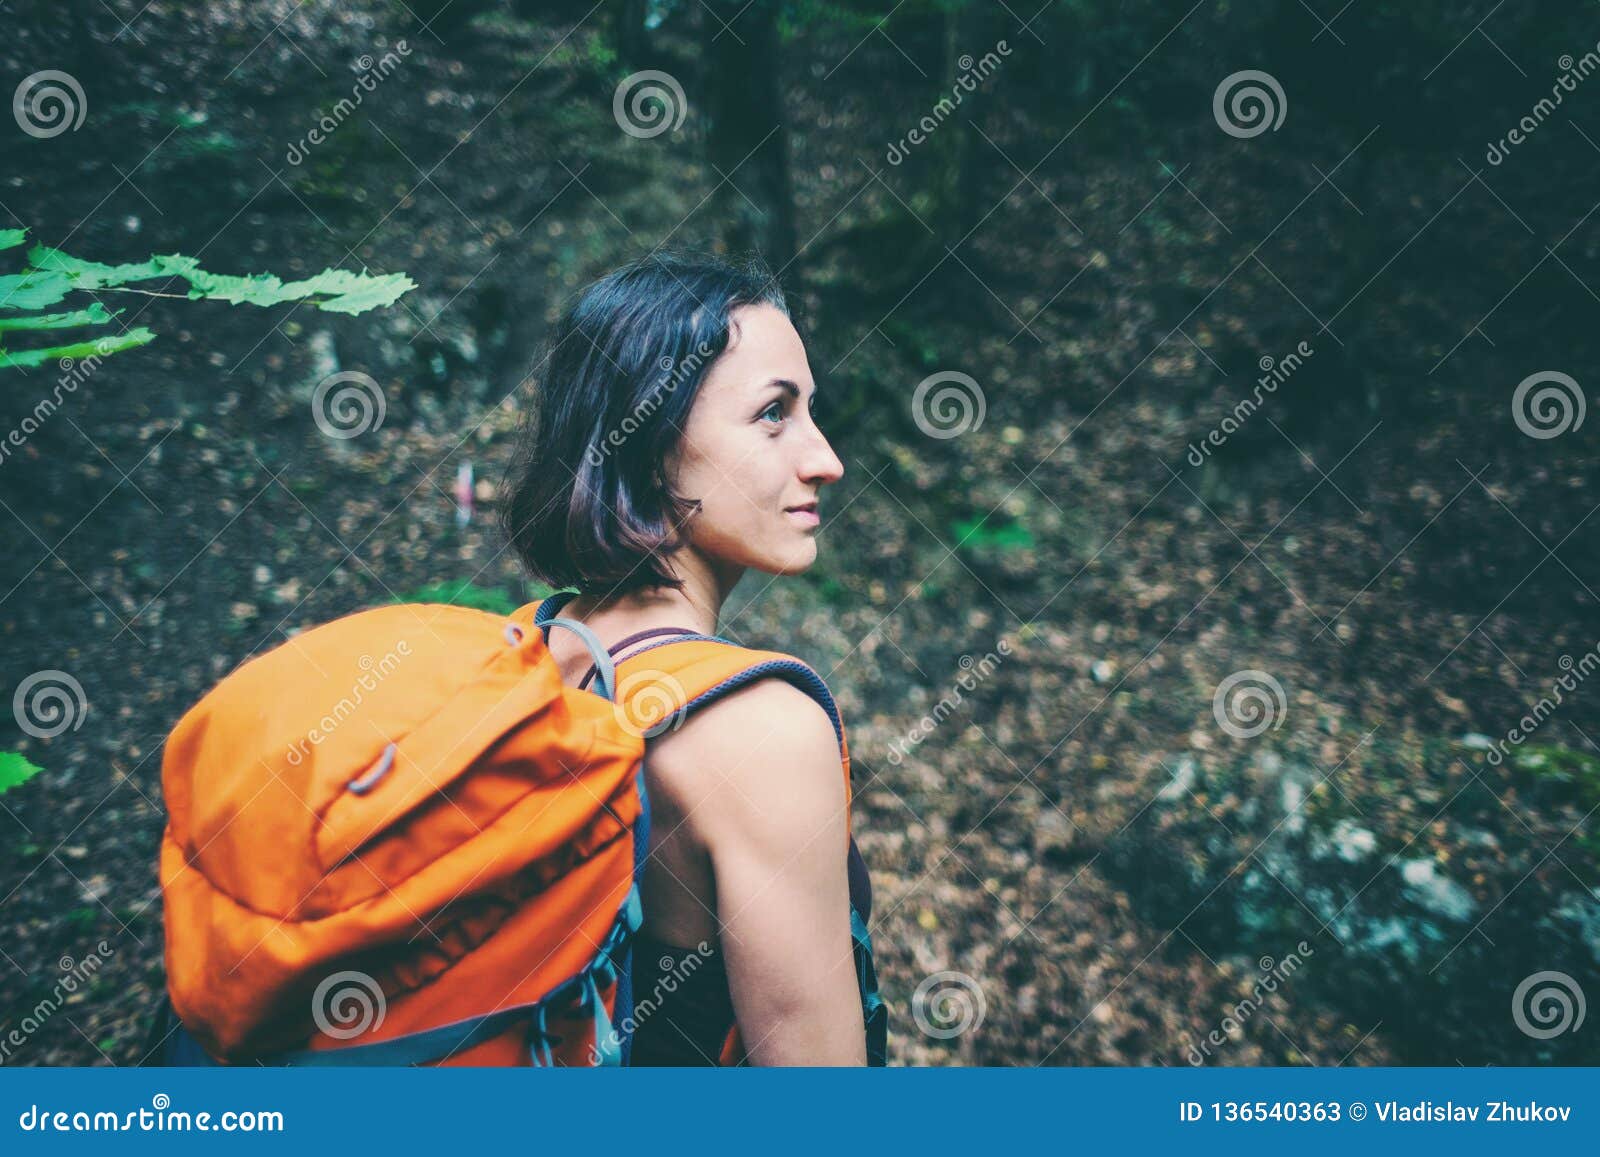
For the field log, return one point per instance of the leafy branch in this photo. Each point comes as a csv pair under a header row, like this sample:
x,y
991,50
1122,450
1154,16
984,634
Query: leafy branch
x,y
50,275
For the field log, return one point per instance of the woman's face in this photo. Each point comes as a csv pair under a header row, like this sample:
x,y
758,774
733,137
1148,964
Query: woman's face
x,y
751,452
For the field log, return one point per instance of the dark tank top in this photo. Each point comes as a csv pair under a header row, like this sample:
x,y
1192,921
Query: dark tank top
x,y
682,1007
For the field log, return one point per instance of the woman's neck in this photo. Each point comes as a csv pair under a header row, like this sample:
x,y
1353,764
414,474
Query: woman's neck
x,y
697,604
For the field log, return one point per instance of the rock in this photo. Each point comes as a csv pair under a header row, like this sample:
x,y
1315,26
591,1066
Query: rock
x,y
1351,842
1438,894
1053,833
1583,913
1183,777
1479,838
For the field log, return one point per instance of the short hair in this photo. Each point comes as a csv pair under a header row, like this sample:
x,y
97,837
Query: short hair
x,y
588,501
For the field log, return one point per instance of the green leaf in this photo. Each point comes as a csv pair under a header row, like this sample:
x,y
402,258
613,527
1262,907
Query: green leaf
x,y
15,770
347,292
99,347
351,293
33,290
83,274
96,314
973,534
53,275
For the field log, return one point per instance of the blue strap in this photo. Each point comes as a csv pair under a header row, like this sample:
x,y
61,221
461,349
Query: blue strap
x,y
548,609
623,1039
446,1040
874,1012
539,1042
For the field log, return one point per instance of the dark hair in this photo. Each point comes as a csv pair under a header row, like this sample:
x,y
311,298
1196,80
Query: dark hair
x,y
588,501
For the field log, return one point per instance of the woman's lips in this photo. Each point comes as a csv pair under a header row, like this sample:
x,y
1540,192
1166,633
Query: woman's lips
x,y
805,515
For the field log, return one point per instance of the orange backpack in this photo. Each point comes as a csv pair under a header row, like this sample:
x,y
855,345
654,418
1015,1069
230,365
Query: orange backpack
x,y
399,838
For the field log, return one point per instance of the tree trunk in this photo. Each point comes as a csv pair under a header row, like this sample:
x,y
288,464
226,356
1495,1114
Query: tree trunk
x,y
963,150
628,33
749,134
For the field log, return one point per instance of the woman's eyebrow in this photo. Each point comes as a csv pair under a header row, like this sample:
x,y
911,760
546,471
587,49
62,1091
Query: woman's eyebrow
x,y
786,386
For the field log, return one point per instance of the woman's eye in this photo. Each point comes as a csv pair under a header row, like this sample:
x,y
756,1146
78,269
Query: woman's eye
x,y
775,410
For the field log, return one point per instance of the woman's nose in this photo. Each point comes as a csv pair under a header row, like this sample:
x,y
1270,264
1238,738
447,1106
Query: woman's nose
x,y
823,465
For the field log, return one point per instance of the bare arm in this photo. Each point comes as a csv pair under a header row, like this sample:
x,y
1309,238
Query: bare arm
x,y
772,819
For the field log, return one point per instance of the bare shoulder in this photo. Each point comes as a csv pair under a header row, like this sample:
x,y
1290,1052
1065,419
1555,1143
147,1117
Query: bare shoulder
x,y
759,754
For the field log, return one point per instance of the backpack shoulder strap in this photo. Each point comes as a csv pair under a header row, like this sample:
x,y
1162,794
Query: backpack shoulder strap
x,y
661,683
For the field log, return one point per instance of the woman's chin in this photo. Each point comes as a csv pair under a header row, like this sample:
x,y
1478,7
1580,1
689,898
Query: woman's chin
x,y
794,561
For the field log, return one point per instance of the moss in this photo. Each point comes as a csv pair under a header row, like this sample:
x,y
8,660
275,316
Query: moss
x,y
986,533
463,593
1572,772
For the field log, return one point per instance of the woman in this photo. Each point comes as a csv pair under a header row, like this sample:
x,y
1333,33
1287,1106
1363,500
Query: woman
x,y
673,448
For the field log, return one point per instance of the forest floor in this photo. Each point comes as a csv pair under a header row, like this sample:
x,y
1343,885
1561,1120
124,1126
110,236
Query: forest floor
x,y
185,513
